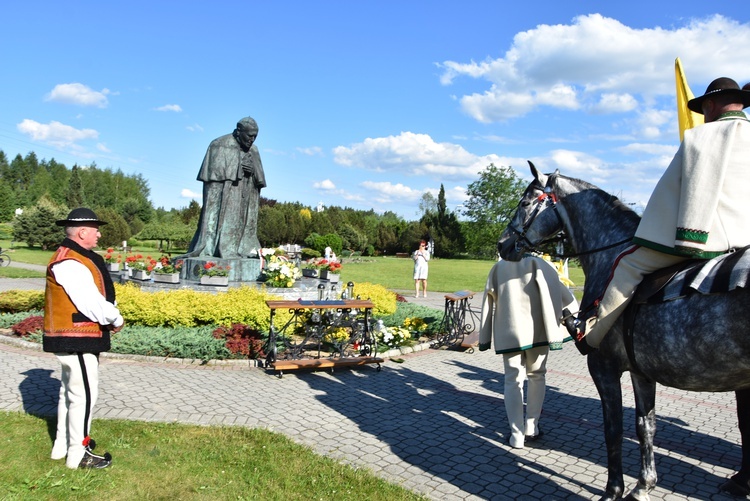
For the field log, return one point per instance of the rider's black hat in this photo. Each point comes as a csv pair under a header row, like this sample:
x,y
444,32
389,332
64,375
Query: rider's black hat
x,y
723,86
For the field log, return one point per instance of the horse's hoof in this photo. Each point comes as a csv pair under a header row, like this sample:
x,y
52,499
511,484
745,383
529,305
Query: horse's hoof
x,y
735,487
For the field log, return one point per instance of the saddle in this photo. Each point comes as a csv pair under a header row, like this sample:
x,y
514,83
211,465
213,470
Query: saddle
x,y
724,273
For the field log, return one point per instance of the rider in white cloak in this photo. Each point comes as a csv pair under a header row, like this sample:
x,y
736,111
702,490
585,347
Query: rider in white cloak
x,y
698,208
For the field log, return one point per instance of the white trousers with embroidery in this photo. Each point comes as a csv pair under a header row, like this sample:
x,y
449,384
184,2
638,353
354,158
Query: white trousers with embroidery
x,y
528,365
79,390
633,264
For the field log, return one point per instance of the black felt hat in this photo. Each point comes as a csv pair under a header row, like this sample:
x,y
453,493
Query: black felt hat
x,y
80,217
721,86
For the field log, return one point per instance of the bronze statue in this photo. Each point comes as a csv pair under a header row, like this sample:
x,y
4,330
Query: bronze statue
x,y
232,176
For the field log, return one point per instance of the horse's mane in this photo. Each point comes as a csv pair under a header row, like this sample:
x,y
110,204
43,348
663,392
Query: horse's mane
x,y
608,200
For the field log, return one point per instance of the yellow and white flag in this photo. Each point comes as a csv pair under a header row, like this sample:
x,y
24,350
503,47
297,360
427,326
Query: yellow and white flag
x,y
686,118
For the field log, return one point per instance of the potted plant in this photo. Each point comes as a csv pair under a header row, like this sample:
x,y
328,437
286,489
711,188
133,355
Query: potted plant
x,y
113,262
312,268
167,271
280,272
141,267
330,270
213,274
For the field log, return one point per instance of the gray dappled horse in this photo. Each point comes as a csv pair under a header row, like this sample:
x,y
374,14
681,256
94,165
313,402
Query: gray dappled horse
x,y
699,343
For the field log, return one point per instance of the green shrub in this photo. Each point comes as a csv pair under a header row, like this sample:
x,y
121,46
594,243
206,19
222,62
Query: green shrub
x,y
384,301
307,253
189,308
8,319
13,301
179,342
403,311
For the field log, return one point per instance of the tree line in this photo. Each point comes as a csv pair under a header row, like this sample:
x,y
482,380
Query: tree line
x,y
46,190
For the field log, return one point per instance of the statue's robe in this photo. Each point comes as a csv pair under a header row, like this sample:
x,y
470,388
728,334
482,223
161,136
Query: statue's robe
x,y
232,180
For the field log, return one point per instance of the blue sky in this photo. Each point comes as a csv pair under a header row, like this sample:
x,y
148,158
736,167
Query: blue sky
x,y
362,104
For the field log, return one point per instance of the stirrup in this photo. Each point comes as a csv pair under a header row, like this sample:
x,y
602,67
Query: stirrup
x,y
573,324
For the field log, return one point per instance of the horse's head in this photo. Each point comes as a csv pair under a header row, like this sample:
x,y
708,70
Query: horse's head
x,y
535,220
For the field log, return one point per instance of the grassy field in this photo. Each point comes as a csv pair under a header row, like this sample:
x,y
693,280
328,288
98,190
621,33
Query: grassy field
x,y
446,275
173,461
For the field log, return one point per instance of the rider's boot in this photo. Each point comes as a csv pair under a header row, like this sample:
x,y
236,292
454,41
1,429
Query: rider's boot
x,y
576,329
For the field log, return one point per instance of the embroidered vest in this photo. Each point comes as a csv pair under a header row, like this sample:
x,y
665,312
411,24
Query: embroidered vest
x,y
65,328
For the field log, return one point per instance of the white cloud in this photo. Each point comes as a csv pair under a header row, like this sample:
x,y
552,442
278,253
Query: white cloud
x,y
311,151
77,93
600,63
55,133
414,154
648,149
187,193
615,103
194,128
169,107
103,148
326,185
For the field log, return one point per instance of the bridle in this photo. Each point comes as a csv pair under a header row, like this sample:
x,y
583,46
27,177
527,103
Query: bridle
x,y
546,199
549,199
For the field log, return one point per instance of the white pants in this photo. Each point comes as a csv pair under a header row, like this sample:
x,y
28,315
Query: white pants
x,y
530,364
634,264
78,393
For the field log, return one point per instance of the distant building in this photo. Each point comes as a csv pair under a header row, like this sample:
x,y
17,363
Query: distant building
x,y
320,207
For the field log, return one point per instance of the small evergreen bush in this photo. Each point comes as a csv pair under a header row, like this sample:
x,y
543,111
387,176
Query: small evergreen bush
x,y
14,301
189,308
179,342
8,319
403,311
384,301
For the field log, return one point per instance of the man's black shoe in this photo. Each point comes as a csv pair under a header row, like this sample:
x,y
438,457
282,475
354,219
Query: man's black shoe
x,y
572,324
94,461
736,486
533,438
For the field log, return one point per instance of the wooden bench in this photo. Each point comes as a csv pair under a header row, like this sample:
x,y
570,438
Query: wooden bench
x,y
325,363
403,254
298,362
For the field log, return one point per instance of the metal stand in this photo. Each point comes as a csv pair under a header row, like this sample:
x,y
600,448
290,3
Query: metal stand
x,y
460,324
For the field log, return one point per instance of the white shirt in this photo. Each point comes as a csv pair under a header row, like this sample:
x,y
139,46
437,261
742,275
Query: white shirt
x,y
80,287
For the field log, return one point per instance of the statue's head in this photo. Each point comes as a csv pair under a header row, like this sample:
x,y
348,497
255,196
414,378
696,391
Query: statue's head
x,y
246,132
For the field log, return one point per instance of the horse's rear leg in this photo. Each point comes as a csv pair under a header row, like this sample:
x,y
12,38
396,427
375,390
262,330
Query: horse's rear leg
x,y
645,425
607,380
739,484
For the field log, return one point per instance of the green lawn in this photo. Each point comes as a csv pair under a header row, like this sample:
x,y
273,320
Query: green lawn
x,y
446,275
173,461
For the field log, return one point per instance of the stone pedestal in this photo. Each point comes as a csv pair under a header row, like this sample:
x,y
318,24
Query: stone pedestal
x,y
240,269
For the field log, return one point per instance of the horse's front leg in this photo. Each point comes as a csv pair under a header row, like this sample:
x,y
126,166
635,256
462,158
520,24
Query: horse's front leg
x,y
645,425
606,376
739,484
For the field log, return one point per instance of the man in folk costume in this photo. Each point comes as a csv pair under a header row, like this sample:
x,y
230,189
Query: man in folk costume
x,y
79,314
522,314
697,210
